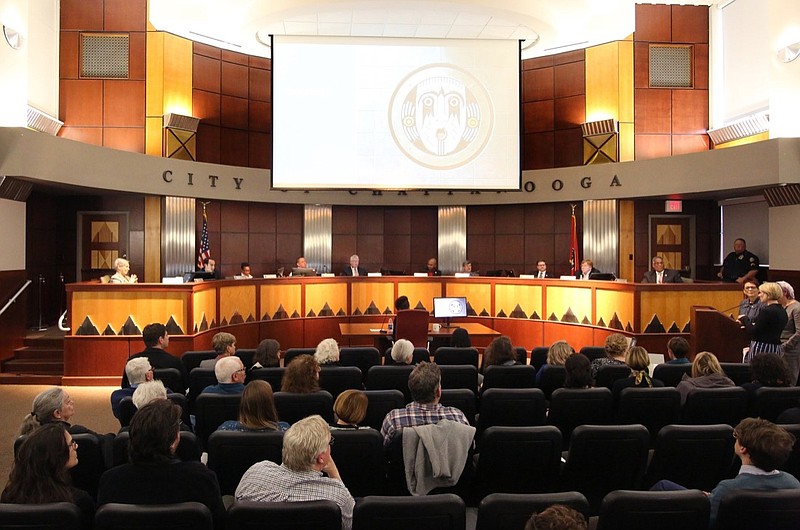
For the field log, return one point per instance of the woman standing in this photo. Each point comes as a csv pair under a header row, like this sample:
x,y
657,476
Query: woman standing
x,y
751,304
765,331
790,336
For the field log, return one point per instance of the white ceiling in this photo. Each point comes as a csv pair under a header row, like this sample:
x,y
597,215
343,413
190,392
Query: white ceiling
x,y
544,26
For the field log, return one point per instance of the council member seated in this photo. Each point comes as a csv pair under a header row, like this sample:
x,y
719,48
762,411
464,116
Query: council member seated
x,y
587,269
354,269
211,267
123,267
301,263
466,267
661,275
432,267
541,270
245,271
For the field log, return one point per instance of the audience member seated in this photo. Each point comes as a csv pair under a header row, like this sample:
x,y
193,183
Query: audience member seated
x,y
402,303
557,517
706,373
762,447
678,351
616,345
768,370
306,456
154,475
500,352
156,341
41,471
301,376
579,372
257,411
267,354
52,406
403,352
224,345
639,361
138,371
425,384
460,339
230,375
557,355
327,353
149,392
350,409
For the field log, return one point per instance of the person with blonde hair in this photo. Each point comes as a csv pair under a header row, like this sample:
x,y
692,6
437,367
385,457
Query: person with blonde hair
x,y
706,373
639,362
306,455
557,355
615,346
301,376
257,411
224,345
350,409
765,331
327,353
123,267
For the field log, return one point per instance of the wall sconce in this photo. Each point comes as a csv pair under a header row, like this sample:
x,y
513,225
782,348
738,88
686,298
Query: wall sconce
x,y
789,53
180,134
43,122
750,126
13,37
600,142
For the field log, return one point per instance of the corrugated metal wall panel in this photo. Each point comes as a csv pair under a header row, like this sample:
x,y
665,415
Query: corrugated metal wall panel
x,y
600,229
178,253
317,239
452,238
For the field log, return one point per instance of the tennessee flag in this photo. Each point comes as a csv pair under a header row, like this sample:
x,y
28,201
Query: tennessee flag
x,y
204,253
573,245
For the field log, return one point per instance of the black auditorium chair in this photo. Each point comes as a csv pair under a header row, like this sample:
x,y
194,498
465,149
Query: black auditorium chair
x,y
739,373
520,376
511,407
748,509
419,355
212,410
192,359
363,358
294,407
291,353
671,374
654,510
695,456
593,352
273,376
246,355
510,511
188,450
604,458
652,407
706,406
390,378
518,460
337,379
792,465
447,355
769,402
433,512
522,354
250,515
358,454
539,357
199,379
231,453
552,378
127,409
379,403
48,516
571,407
172,379
460,376
180,516
609,373
462,399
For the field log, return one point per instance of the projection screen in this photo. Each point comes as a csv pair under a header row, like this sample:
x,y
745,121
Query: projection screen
x,y
388,113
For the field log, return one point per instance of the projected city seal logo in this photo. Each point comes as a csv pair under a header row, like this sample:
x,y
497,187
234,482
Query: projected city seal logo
x,y
441,116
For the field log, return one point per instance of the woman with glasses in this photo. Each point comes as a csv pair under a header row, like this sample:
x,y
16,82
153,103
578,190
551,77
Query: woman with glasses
x,y
41,471
751,304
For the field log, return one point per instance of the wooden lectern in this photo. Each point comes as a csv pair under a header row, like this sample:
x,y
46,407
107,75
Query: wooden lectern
x,y
718,333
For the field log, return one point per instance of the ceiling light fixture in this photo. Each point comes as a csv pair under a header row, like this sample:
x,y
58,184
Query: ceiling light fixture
x,y
789,53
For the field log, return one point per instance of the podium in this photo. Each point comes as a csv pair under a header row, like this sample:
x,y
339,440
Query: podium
x,y
718,333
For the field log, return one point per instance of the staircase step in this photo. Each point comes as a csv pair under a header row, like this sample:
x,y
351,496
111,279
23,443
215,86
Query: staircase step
x,y
28,352
29,379
43,342
33,366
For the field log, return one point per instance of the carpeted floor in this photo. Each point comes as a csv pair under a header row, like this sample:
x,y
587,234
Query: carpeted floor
x,y
92,409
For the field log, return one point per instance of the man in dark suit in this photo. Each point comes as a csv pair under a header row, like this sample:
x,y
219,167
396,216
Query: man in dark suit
x,y
432,267
354,269
156,340
661,275
587,270
541,269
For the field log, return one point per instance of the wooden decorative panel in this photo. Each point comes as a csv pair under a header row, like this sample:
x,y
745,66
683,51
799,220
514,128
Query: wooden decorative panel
x,y
537,84
661,309
235,80
652,146
85,15
479,295
109,311
689,23
569,304
234,146
371,297
234,112
420,294
614,309
281,301
689,143
326,299
123,103
518,301
204,305
206,73
124,15
237,304
81,102
689,111
653,111
569,79
653,23
538,116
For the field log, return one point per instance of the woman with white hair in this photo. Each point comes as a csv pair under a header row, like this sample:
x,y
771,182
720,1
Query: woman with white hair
x,y
790,336
765,331
403,352
50,406
123,267
327,353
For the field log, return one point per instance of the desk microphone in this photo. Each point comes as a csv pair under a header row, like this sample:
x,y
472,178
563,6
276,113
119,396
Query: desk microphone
x,y
383,329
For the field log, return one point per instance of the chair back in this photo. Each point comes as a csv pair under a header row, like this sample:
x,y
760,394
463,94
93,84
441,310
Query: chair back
x,y
746,509
448,355
518,460
707,406
654,510
460,376
390,378
294,407
192,359
593,352
552,379
362,358
358,454
380,402
419,355
792,464
188,450
539,357
671,374
172,379
291,353
250,515
412,324
231,453
462,399
337,379
199,379
127,409
212,410
520,376
510,511
771,401
246,355
609,373
273,376
522,354
433,512
511,407
180,516
739,373
49,516
652,407
571,407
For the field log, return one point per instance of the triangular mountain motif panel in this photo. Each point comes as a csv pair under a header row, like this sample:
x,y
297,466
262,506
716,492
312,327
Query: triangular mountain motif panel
x,y
569,316
203,323
484,313
628,328
687,328
420,305
535,316
372,309
387,311
654,326
213,324
471,312
615,323
326,311
586,321
341,313
236,318
172,327
280,313
311,313
501,314
552,317
674,328
87,328
295,314
357,312
601,323
223,322
250,318
109,331
129,328
265,316
518,312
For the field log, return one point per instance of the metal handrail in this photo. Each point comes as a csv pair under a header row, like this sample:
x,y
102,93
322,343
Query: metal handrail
x,y
14,298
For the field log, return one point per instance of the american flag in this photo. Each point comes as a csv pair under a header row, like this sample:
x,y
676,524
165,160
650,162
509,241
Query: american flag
x,y
204,253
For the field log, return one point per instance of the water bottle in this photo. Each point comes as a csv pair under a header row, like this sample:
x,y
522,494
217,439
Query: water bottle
x,y
390,326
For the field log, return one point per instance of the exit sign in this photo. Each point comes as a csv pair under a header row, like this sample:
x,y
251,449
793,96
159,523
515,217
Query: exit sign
x,y
673,206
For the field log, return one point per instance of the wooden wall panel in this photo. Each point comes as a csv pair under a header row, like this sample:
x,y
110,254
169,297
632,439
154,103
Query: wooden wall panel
x,y
570,150
689,23
137,56
653,111
537,84
206,51
234,146
689,143
127,100
82,15
261,220
125,15
234,113
81,102
87,135
206,73
208,143
13,321
260,155
124,138
538,116
653,23
235,80
538,151
207,107
569,79
68,55
259,116
700,66
569,112
259,81
234,57
652,146
689,111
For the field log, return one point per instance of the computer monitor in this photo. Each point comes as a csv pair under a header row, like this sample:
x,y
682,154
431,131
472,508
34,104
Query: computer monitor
x,y
603,276
303,271
449,307
197,275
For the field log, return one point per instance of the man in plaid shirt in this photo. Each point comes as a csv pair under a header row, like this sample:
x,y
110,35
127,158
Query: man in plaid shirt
x,y
425,384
